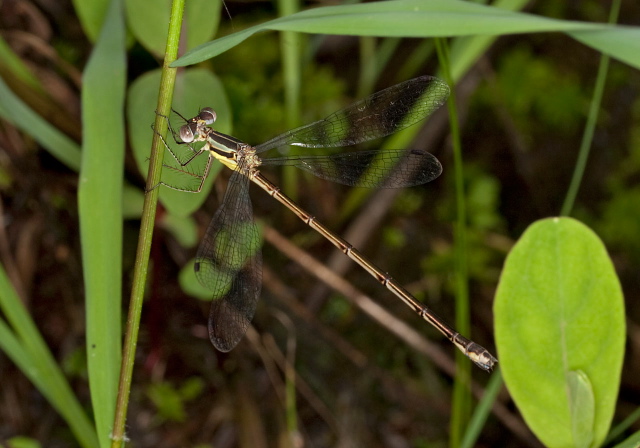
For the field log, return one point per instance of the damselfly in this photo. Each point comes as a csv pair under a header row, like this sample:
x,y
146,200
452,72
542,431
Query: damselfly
x,y
229,262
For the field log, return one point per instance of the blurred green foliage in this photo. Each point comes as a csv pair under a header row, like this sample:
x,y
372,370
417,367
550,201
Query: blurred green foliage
x,y
170,400
484,219
539,93
23,442
252,77
618,221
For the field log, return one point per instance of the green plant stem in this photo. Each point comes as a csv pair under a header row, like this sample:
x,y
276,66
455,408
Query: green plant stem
x,y
290,45
620,428
165,98
368,66
290,393
482,411
461,393
587,136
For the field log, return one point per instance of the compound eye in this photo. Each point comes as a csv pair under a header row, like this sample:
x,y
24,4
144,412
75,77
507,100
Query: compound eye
x,y
187,132
208,115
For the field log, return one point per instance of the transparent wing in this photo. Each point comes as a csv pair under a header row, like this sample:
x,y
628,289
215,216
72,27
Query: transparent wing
x,y
229,263
370,169
380,114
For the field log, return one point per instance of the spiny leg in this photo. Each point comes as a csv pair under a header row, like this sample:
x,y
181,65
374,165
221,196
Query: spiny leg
x,y
195,153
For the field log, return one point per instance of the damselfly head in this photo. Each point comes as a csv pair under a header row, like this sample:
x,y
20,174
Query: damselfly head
x,y
188,132
207,115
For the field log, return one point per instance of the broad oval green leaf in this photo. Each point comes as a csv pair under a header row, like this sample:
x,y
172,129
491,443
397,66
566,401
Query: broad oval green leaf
x,y
560,330
190,284
149,22
183,228
195,88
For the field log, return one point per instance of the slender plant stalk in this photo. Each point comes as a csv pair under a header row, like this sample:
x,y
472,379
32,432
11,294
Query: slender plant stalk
x,y
368,64
461,391
290,394
587,136
482,411
165,97
290,45
621,427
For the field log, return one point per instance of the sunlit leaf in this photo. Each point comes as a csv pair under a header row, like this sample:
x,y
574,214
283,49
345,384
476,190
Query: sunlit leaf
x,y
560,329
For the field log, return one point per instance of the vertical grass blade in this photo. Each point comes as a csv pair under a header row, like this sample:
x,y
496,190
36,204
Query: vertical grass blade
x,y
100,210
16,111
23,344
587,136
461,390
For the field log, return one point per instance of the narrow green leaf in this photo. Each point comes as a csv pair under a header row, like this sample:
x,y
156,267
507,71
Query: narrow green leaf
x,y
434,18
16,112
559,310
24,345
12,63
417,18
632,441
100,208
620,42
482,411
623,426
